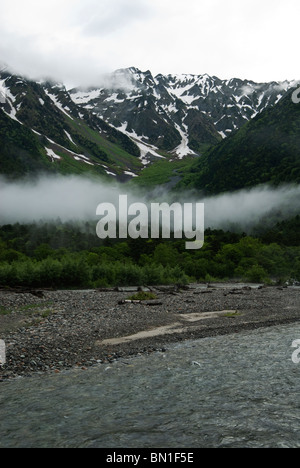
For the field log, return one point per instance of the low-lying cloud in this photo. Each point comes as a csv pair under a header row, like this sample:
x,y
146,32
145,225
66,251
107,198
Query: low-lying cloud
x,y
246,208
76,198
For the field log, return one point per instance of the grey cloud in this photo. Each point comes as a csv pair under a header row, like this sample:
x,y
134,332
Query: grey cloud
x,y
112,16
76,41
75,44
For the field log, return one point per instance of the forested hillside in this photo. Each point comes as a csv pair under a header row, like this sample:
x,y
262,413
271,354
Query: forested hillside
x,y
264,151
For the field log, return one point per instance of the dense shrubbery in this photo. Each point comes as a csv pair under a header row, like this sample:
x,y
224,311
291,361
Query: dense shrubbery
x,y
66,256
76,273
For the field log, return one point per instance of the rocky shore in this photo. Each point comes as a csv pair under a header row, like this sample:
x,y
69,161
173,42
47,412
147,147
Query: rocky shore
x,y
50,331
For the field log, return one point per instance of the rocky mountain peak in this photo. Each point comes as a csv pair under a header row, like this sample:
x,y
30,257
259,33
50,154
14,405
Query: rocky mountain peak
x,y
181,114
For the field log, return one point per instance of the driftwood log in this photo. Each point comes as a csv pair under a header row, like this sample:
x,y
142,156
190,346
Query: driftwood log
x,y
146,303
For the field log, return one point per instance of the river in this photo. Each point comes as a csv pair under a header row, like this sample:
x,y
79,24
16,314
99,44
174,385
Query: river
x,y
236,391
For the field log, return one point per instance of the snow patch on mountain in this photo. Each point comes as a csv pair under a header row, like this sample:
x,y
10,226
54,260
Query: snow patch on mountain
x,y
183,149
70,138
8,101
148,102
147,150
51,154
83,97
54,99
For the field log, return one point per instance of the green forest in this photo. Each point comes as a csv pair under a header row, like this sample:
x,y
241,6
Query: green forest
x,y
71,256
265,150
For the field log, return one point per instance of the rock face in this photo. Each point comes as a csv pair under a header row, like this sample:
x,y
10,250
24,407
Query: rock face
x,y
264,151
43,130
181,114
132,119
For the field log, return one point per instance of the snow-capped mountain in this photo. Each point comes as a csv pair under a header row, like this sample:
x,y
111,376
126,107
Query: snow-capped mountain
x,y
179,114
116,128
264,151
42,129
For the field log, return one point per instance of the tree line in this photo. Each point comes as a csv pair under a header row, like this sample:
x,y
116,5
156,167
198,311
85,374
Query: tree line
x,y
71,256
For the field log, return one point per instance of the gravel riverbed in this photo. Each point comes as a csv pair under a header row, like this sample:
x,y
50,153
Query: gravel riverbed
x,y
51,331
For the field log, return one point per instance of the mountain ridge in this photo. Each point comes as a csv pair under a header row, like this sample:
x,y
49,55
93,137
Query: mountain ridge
x,y
67,138
189,112
114,131
264,151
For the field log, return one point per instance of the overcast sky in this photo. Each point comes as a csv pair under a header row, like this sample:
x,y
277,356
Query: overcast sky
x,y
75,41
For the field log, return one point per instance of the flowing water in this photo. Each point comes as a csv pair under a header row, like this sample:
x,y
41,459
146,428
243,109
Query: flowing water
x,y
230,391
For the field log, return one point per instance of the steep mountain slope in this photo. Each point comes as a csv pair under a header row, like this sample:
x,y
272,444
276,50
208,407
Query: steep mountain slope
x,y
135,119
181,114
265,150
21,151
42,129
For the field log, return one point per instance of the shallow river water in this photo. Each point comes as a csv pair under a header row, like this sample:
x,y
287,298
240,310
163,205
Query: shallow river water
x,y
238,390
